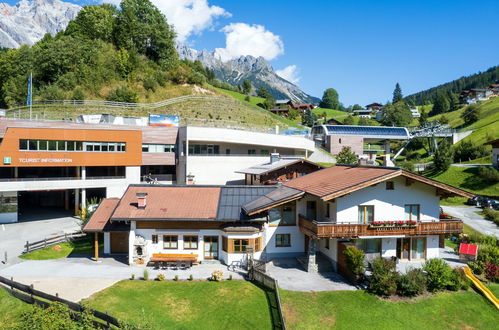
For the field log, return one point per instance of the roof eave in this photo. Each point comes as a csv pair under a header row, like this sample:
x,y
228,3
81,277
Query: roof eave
x,y
271,205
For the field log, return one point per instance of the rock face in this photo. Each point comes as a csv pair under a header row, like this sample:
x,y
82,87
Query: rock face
x,y
256,70
28,21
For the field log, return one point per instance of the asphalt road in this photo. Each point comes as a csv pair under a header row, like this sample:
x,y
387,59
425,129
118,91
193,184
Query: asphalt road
x,y
13,236
475,221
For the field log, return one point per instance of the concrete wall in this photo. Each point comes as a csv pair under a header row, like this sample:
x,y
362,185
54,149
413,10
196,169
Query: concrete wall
x,y
297,240
389,204
332,252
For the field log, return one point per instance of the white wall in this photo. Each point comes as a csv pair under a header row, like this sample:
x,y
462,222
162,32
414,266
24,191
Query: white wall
x,y
332,252
389,204
432,246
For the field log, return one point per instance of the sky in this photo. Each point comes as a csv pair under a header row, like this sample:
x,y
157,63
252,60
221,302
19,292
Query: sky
x,y
362,48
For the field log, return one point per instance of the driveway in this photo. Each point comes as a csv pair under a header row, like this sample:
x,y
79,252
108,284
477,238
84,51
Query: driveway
x,y
475,221
13,236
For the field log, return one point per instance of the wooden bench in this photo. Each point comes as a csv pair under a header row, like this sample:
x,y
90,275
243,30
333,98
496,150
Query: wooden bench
x,y
161,258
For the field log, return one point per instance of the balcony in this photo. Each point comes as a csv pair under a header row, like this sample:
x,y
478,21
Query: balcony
x,y
332,230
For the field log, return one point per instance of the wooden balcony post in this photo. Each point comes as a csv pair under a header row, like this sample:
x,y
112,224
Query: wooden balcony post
x,y
96,245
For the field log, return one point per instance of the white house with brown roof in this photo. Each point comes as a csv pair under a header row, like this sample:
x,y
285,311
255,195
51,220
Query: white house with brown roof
x,y
387,212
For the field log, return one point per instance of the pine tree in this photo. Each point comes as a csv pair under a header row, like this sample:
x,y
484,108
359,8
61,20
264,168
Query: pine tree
x,y
441,104
397,94
443,156
346,156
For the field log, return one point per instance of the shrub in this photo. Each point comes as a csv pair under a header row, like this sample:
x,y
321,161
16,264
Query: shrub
x,y
489,173
52,92
160,277
488,253
146,275
355,260
467,150
56,316
191,277
492,271
217,275
175,278
230,277
150,84
78,94
477,267
132,277
384,277
491,214
411,284
458,280
247,98
438,274
123,94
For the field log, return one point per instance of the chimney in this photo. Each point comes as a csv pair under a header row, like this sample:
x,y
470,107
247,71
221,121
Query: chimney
x,y
141,200
274,157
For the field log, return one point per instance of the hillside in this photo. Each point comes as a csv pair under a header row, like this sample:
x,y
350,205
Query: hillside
x,y
478,80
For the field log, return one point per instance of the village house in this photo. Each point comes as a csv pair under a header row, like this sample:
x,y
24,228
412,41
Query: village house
x,y
385,211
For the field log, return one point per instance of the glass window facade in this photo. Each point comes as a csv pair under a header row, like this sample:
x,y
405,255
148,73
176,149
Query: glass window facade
x,y
55,145
158,148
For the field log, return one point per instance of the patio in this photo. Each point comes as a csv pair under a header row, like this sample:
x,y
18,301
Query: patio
x,y
446,254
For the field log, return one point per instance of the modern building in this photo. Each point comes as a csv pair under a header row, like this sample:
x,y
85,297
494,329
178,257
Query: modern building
x,y
60,165
386,212
277,170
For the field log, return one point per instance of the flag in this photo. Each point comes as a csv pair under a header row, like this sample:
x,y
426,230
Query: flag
x,y
30,87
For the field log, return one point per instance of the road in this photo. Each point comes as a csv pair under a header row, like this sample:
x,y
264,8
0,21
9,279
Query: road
x,y
475,221
13,236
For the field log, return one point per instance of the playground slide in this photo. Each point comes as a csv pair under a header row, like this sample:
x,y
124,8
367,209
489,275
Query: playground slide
x,y
483,289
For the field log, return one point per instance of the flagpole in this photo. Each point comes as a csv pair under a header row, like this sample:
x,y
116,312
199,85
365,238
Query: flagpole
x,y
30,96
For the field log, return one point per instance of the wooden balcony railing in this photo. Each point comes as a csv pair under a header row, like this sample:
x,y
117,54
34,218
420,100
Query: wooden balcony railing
x,y
332,230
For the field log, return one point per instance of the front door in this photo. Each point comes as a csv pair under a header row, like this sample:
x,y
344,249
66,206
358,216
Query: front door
x,y
211,247
404,248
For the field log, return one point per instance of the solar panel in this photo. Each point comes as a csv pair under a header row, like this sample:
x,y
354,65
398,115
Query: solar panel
x,y
368,131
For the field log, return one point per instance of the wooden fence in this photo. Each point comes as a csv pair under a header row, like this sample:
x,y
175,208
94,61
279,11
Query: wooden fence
x,y
32,246
270,283
28,294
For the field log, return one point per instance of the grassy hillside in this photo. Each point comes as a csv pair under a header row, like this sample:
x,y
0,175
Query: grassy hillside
x,y
467,178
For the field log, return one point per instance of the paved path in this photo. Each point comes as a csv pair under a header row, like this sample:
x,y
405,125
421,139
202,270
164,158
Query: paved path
x,y
471,165
475,221
13,236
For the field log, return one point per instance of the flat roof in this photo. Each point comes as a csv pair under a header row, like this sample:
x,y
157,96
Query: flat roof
x,y
380,132
269,167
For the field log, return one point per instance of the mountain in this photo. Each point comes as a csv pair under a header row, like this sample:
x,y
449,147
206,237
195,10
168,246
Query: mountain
x,y
28,21
255,69
477,80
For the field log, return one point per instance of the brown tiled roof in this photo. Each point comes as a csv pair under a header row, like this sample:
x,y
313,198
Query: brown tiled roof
x,y
101,216
169,202
337,181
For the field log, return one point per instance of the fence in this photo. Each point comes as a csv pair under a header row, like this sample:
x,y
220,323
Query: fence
x,y
27,294
32,246
257,274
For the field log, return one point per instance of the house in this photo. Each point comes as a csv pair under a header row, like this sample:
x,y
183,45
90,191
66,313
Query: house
x,y
362,113
278,170
333,121
475,95
384,211
280,111
414,112
374,107
495,152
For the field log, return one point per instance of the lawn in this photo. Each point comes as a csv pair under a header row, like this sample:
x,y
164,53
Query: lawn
x,y
63,250
466,178
10,310
360,310
186,305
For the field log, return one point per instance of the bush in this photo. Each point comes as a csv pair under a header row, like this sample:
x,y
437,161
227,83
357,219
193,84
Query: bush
x,y
56,316
52,92
123,94
175,278
489,173
477,267
230,277
355,260
150,84
491,214
492,271
467,150
384,277
247,98
146,275
132,277
458,280
217,275
78,94
488,253
160,277
411,284
438,274
191,277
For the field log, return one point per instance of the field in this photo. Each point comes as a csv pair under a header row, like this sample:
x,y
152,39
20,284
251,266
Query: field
x,y
360,310
63,250
186,305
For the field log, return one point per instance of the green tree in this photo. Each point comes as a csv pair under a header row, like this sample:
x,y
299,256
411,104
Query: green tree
x,y
470,114
246,86
309,118
141,27
356,107
293,114
423,119
94,22
349,120
397,114
330,99
123,94
263,92
443,156
346,156
453,101
397,94
363,121
441,104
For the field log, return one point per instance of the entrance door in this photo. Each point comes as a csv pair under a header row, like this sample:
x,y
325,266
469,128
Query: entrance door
x,y
211,247
119,242
404,248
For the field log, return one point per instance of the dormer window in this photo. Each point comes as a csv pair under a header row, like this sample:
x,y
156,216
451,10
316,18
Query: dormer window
x,y
390,185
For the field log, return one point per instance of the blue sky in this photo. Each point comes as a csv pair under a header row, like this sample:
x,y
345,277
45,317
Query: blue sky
x,y
361,48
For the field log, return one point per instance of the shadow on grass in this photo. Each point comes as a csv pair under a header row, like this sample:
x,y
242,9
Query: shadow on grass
x,y
272,305
475,181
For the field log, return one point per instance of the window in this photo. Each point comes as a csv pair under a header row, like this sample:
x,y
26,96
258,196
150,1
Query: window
x,y
412,212
326,244
311,210
366,214
264,152
23,144
170,242
390,185
282,215
154,239
258,244
372,245
418,247
203,149
240,245
190,242
227,151
251,152
54,145
283,240
328,214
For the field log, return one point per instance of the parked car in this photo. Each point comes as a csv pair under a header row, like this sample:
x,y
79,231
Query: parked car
x,y
476,200
490,203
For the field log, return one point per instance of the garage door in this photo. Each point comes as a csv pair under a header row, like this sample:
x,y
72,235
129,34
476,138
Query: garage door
x,y
119,242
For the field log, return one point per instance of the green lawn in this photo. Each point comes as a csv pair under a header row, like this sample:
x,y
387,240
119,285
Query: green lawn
x,y
10,310
466,178
186,305
254,100
360,310
63,250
